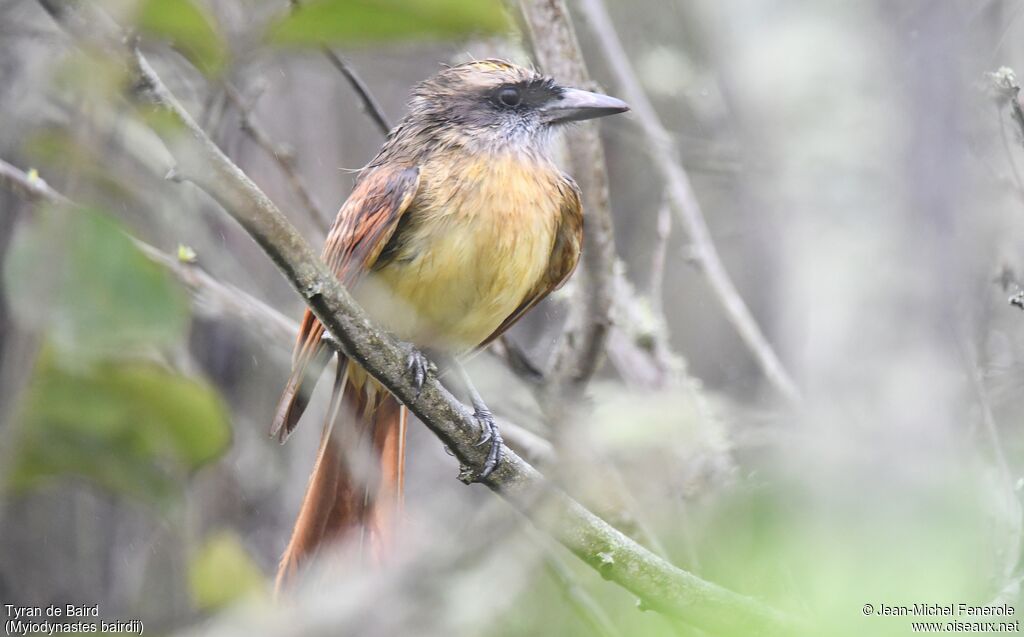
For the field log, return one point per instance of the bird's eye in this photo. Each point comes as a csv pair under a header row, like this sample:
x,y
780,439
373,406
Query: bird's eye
x,y
509,96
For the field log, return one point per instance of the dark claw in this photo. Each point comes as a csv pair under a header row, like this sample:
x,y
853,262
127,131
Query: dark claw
x,y
487,424
418,365
488,432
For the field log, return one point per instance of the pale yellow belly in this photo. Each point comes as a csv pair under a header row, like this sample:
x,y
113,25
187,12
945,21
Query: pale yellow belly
x,y
469,264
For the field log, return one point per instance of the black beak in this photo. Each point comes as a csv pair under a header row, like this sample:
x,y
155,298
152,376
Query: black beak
x,y
574,105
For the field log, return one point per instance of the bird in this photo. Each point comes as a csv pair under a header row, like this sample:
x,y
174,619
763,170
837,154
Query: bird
x,y
460,225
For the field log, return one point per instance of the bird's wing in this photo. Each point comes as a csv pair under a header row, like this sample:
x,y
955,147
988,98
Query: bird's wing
x,y
368,220
565,254
365,223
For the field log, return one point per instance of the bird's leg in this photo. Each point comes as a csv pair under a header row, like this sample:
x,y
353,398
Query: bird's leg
x,y
488,427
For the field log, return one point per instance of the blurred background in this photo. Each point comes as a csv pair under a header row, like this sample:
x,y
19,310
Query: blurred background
x,y
862,175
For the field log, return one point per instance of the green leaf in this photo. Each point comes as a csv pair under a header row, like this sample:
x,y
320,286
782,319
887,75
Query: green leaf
x,y
222,572
189,28
367,21
132,427
76,275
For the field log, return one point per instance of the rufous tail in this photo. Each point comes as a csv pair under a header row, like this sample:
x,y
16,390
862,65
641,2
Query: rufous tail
x,y
344,499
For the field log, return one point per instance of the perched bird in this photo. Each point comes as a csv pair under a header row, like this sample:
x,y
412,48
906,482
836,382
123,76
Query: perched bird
x,y
458,227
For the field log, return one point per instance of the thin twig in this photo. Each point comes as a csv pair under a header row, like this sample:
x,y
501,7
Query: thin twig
x,y
662,586
284,158
369,104
30,185
684,202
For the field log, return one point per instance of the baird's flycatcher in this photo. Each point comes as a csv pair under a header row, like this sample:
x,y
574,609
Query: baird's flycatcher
x,y
458,227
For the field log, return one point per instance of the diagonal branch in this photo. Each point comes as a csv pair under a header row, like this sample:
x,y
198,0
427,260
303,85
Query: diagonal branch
x,y
662,586
369,103
215,300
283,157
684,201
30,185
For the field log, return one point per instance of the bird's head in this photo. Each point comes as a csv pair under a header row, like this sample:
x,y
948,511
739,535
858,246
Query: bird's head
x,y
495,105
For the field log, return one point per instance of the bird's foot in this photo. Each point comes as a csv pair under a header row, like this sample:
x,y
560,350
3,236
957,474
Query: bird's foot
x,y
418,366
488,433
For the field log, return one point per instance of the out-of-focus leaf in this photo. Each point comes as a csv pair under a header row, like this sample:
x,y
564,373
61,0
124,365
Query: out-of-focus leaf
x,y
222,572
364,21
58,151
190,29
132,427
78,276
92,76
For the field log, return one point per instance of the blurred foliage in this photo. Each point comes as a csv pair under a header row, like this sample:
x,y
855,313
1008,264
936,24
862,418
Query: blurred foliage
x,y
222,572
80,278
820,555
92,76
93,408
189,28
132,427
364,21
57,150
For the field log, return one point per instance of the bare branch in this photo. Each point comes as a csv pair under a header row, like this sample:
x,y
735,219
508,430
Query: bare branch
x,y
662,586
684,202
30,185
369,104
284,158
